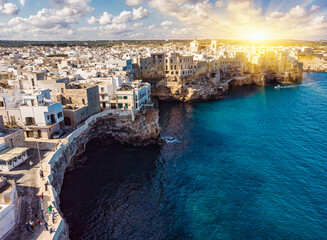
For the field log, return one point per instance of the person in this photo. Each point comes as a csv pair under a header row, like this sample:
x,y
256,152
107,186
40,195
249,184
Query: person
x,y
38,223
52,229
45,224
28,227
35,216
50,208
41,173
46,186
53,216
31,163
41,196
32,225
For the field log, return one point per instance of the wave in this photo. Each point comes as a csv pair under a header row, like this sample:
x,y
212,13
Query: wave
x,y
170,140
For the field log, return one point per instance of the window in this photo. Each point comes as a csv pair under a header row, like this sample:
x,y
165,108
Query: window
x,y
125,97
102,89
48,117
59,114
83,101
120,97
1,104
120,105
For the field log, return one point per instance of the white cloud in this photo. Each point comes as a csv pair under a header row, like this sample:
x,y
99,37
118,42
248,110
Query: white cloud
x,y
276,14
124,17
186,11
219,4
133,3
298,12
314,8
137,25
92,20
105,18
166,24
8,8
149,27
22,2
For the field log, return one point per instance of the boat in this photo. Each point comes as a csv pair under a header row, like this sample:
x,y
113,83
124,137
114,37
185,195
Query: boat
x,y
277,87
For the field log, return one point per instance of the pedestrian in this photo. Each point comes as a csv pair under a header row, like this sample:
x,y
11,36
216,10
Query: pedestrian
x,y
35,216
38,223
46,186
45,224
50,208
52,229
28,227
31,163
41,196
32,225
41,173
53,216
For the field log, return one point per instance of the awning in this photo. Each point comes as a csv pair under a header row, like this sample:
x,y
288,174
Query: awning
x,y
10,153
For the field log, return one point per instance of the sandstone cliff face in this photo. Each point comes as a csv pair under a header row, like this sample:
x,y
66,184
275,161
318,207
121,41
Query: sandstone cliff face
x,y
144,130
313,64
200,89
206,88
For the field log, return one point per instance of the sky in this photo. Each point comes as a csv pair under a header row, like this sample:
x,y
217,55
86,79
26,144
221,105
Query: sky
x,y
162,19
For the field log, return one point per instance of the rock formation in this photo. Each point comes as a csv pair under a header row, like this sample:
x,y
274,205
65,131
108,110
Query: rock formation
x,y
205,88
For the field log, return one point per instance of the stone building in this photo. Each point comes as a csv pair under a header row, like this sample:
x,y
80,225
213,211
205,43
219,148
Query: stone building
x,y
178,66
150,68
79,103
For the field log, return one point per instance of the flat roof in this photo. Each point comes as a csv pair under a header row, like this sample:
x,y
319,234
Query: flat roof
x,y
9,153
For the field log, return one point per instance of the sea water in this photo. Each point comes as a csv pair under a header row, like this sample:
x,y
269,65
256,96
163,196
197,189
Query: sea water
x,y
250,166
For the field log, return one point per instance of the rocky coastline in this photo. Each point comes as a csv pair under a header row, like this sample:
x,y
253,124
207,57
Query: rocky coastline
x,y
105,127
206,88
144,129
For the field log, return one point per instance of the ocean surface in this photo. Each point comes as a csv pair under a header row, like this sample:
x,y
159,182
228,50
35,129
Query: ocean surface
x,y
251,166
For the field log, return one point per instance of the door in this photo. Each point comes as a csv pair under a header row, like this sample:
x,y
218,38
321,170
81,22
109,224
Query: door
x,y
38,133
67,121
30,134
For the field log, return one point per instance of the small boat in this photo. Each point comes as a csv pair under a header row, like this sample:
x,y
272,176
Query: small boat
x,y
277,87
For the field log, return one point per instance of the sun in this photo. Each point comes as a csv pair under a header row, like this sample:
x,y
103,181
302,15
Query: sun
x,y
257,36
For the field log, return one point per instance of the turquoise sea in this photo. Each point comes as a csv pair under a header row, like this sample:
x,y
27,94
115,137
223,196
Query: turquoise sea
x,y
250,166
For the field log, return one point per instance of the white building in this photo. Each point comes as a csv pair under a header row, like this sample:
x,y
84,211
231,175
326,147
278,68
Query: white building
x,y
8,206
133,97
41,116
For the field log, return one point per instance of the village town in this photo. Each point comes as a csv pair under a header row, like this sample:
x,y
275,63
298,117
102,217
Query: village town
x,y
49,94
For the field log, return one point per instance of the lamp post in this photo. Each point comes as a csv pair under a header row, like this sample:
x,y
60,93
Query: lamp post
x,y
38,150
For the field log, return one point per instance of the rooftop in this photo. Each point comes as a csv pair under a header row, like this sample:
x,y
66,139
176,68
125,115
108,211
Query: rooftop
x,y
10,153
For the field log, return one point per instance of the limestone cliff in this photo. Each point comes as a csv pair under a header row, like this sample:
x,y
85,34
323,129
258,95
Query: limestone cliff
x,y
198,89
313,63
144,130
206,88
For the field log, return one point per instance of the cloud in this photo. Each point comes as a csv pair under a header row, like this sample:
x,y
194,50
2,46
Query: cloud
x,y
76,8
133,3
186,11
314,8
106,18
92,20
149,27
298,12
8,8
219,4
124,17
166,24
22,2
